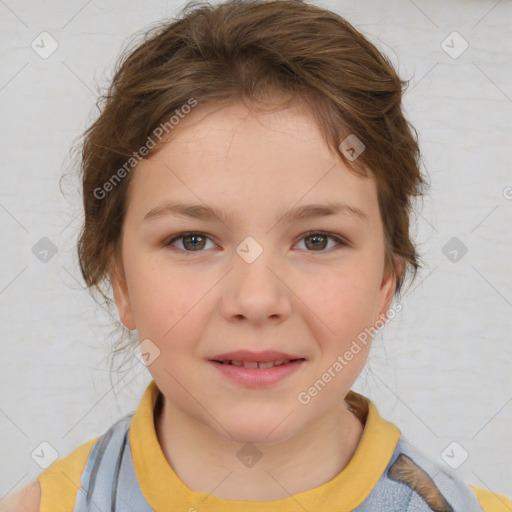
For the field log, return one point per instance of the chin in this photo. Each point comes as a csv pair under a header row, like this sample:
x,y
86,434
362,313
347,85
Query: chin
x,y
257,431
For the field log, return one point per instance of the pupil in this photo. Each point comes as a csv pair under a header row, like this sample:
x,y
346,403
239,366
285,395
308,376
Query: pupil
x,y
196,240
316,238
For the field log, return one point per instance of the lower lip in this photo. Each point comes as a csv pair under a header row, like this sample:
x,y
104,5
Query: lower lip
x,y
258,377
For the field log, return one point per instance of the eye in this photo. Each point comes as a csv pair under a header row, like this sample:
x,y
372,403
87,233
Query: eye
x,y
195,241
319,239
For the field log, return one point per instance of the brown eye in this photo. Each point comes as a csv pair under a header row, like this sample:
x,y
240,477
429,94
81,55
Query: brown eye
x,y
193,242
318,241
189,242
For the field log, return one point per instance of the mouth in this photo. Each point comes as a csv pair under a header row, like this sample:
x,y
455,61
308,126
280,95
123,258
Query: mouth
x,y
248,358
257,369
257,364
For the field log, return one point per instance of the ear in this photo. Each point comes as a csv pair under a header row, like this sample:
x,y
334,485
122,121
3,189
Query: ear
x,y
120,289
388,287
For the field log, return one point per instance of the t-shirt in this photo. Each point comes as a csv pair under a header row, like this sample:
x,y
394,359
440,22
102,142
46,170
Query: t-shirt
x,y
125,470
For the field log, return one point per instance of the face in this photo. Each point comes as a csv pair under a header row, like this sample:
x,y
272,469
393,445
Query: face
x,y
253,276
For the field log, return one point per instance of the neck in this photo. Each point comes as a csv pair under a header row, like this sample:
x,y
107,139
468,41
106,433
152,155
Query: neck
x,y
307,460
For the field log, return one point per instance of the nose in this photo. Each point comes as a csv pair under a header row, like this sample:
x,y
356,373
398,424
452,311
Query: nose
x,y
256,290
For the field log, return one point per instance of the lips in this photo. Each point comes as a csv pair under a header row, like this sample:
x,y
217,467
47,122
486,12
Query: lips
x,y
248,359
254,374
257,364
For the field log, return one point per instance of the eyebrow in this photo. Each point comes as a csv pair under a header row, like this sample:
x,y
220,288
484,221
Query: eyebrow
x,y
205,212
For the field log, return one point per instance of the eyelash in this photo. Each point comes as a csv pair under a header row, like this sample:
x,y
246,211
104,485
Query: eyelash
x,y
340,241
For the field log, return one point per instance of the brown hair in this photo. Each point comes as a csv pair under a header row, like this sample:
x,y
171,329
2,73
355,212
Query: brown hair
x,y
251,50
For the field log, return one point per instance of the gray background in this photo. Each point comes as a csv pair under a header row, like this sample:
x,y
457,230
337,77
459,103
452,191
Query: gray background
x,y
441,370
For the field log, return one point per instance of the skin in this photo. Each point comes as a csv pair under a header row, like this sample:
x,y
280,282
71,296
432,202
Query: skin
x,y
296,298
26,499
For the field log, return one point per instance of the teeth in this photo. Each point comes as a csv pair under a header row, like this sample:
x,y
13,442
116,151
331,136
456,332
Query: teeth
x,y
255,364
270,364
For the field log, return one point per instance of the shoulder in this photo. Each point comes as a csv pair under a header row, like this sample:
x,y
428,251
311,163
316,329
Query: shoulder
x,y
59,483
492,502
27,499
438,486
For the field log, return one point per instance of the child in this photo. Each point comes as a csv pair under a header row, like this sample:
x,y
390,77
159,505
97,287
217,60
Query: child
x,y
247,190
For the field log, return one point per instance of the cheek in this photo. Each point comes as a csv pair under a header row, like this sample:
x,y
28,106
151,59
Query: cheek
x,y
346,300
160,296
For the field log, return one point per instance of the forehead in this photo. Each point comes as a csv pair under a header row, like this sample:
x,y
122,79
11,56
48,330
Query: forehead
x,y
246,160
250,127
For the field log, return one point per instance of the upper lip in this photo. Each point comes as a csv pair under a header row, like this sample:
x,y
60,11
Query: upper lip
x,y
248,356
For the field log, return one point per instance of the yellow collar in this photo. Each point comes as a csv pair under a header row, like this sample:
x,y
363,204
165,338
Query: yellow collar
x,y
162,488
